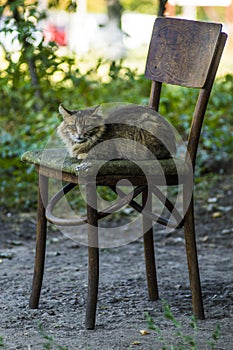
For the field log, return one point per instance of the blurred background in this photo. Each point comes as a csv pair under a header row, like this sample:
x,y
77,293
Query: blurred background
x,y
96,25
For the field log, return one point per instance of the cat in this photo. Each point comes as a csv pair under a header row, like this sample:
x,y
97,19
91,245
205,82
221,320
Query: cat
x,y
123,132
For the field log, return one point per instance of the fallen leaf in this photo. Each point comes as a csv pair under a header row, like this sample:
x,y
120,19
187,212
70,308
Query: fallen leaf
x,y
216,214
136,342
144,332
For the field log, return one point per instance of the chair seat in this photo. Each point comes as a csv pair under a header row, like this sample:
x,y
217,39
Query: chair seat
x,y
58,161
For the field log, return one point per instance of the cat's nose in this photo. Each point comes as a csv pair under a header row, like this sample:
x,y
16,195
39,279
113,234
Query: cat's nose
x,y
80,138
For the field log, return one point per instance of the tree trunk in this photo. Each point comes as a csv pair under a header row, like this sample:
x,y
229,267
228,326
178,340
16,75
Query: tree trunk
x,y
30,61
114,11
162,6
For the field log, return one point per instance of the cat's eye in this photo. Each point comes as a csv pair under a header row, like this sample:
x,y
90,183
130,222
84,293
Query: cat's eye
x,y
90,126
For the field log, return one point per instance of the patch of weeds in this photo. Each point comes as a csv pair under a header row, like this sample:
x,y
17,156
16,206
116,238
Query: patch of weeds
x,y
50,343
182,340
214,337
1,342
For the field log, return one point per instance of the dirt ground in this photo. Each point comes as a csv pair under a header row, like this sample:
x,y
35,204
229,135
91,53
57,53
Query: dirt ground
x,y
123,299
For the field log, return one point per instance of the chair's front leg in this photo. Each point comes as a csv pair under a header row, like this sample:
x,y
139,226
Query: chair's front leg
x,y
93,256
191,251
41,231
149,248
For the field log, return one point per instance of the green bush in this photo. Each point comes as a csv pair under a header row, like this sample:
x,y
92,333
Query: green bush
x,y
215,150
33,85
25,128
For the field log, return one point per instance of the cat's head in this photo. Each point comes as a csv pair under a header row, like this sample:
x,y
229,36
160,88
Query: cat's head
x,y
82,125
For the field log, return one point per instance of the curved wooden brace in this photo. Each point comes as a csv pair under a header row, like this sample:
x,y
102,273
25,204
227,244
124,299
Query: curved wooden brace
x,y
54,200
125,199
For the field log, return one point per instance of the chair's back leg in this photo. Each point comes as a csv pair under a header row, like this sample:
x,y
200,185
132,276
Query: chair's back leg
x,y
93,256
149,249
40,242
191,252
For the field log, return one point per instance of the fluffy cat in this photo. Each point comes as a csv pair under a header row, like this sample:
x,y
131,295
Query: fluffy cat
x,y
124,132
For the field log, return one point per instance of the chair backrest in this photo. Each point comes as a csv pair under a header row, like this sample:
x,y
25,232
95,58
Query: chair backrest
x,y
185,53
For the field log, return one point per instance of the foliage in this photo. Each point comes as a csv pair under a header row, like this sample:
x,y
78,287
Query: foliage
x,y
182,341
67,5
217,134
144,6
1,342
38,78
50,343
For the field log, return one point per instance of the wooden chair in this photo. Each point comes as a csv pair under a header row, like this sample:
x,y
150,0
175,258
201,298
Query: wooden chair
x,y
182,52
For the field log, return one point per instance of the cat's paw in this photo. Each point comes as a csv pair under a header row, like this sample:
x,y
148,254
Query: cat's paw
x,y
82,155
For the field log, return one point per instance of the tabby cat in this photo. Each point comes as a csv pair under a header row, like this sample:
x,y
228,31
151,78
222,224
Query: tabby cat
x,y
123,132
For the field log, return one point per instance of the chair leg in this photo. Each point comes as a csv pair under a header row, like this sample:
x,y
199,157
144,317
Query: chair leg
x,y
40,242
93,256
191,251
149,249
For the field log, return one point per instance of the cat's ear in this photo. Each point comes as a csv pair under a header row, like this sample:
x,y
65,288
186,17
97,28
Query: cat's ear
x,y
94,109
96,112
64,112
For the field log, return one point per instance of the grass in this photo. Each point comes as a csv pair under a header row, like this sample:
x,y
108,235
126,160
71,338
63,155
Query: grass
x,y
50,342
181,339
1,342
